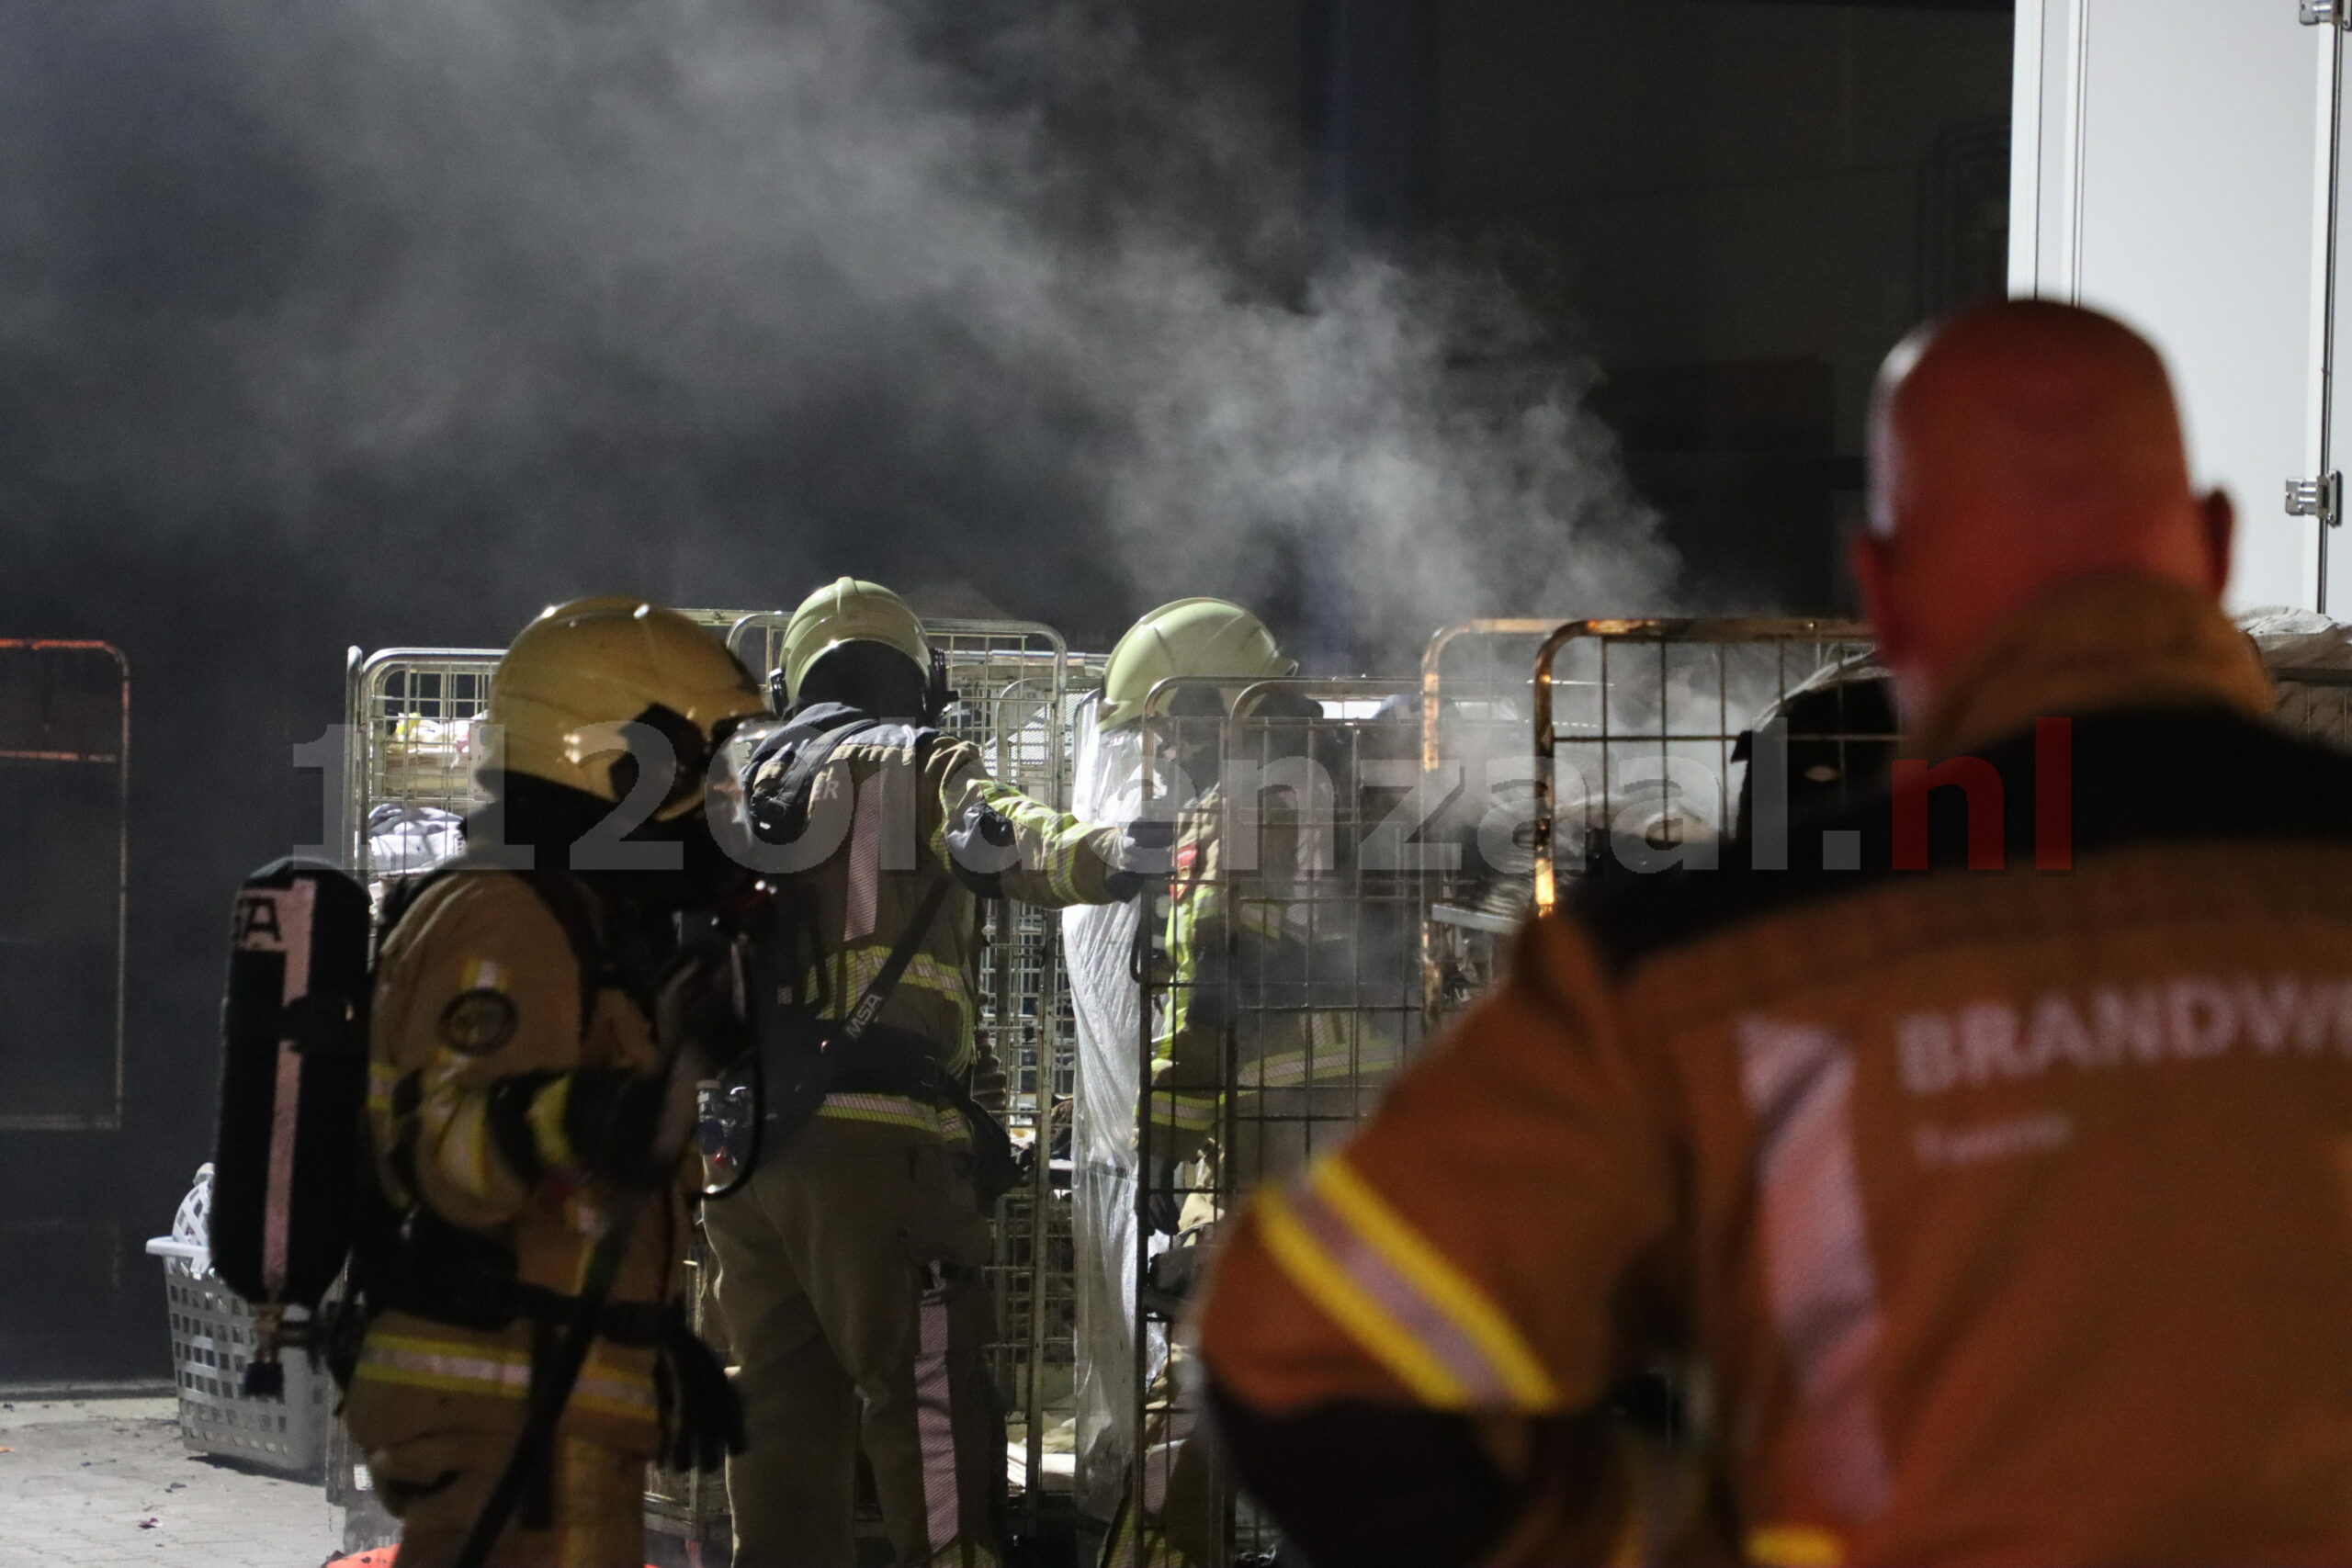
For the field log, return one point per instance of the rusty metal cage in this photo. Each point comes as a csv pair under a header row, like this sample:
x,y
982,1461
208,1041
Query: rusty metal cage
x,y
1639,728
1477,699
65,782
1280,998
1637,758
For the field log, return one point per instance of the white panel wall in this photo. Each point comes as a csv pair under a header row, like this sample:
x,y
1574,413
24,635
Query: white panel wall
x,y
2169,166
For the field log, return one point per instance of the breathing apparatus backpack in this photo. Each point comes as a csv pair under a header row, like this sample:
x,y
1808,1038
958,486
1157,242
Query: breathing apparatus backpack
x,y
808,1045
286,1185
293,1198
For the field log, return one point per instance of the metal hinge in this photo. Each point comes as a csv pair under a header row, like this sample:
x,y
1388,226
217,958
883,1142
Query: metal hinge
x,y
2326,13
2321,498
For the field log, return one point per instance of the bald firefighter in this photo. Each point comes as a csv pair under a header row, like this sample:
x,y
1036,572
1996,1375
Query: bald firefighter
x,y
850,1261
1998,1186
516,1077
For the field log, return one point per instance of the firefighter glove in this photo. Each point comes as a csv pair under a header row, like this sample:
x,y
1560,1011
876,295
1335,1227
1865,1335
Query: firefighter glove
x,y
990,1088
703,1420
1143,857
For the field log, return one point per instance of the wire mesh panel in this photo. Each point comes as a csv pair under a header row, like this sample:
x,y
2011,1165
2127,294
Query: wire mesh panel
x,y
1012,684
410,766
1477,699
1283,996
1642,730
414,746
691,1505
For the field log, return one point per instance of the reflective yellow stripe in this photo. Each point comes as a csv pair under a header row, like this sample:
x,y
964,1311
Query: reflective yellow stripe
x,y
1420,1316
1447,1287
382,1078
455,1366
1794,1546
1326,1284
897,1110
546,1118
1329,1061
1183,1113
855,969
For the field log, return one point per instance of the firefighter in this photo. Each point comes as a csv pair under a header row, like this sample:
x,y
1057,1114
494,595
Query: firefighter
x,y
1259,1047
2003,1208
517,1073
850,1261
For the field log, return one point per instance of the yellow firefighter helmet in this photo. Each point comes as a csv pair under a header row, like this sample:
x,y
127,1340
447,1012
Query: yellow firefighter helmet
x,y
850,611
1201,638
582,669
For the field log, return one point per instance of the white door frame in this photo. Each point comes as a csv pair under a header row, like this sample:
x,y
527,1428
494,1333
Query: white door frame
x,y
2173,161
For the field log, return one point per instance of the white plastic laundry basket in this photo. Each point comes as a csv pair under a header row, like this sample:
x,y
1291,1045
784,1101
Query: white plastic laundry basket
x,y
212,1336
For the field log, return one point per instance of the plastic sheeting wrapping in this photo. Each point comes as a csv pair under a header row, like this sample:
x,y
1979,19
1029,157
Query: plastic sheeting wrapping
x,y
2310,657
1098,947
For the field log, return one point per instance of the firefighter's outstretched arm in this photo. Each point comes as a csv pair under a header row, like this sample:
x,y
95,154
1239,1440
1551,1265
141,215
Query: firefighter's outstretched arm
x,y
478,1098
1004,844
1393,1336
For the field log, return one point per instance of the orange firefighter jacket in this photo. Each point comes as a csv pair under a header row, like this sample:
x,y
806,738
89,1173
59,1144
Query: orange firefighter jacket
x,y
2006,1216
478,984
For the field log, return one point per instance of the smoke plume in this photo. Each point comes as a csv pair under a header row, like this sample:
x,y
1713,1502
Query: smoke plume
x,y
366,323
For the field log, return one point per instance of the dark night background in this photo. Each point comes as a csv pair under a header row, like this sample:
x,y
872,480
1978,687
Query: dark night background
x,y
329,324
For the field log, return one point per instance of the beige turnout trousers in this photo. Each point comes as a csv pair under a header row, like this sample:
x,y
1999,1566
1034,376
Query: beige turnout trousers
x,y
849,1278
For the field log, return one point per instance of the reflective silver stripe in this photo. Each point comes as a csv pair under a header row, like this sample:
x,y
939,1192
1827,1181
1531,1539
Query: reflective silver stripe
x,y
896,1110
399,1358
1436,1333
294,914
934,1421
1799,1082
865,867
497,1371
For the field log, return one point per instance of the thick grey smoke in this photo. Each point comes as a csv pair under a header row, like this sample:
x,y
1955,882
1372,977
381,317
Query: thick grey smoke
x,y
768,287
377,321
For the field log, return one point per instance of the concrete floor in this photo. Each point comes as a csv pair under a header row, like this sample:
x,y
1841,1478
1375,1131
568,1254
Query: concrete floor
x,y
104,1483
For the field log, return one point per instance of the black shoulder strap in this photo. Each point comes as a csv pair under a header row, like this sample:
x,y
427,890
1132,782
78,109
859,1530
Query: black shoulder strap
x,y
782,809
902,952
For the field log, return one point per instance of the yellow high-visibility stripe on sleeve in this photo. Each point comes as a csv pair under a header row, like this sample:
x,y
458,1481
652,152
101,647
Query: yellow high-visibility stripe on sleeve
x,y
1327,1286
1428,1322
1794,1546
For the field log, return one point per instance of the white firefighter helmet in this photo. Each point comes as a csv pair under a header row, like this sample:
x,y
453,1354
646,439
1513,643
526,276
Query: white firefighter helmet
x,y
1212,640
582,669
850,611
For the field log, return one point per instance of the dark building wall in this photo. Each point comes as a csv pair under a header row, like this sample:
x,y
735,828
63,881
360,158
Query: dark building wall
x,y
1737,207
1722,199
1742,206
